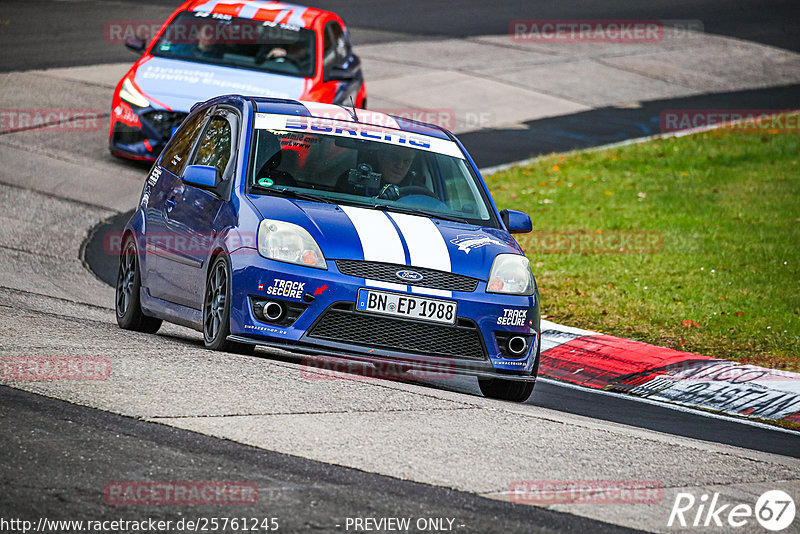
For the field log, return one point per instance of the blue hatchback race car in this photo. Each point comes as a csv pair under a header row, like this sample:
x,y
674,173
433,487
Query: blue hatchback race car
x,y
336,232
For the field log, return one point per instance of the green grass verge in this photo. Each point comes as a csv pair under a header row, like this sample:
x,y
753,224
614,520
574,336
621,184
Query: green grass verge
x,y
710,224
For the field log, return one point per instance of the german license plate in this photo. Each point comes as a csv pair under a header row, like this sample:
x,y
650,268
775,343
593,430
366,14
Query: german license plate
x,y
399,305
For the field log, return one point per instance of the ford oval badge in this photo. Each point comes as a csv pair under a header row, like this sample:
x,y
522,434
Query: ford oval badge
x,y
409,276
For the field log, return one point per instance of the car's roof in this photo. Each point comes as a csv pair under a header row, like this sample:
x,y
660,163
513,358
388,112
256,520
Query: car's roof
x,y
268,11
331,111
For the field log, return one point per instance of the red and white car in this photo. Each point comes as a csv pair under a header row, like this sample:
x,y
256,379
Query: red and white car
x,y
207,48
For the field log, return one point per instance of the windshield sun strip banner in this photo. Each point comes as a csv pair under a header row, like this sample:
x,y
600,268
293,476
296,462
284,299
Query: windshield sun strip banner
x,y
356,130
334,112
267,10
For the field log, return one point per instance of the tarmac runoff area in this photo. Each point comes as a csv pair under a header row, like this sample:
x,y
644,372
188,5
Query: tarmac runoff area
x,y
56,185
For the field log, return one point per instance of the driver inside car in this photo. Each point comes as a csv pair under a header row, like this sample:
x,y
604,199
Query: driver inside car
x,y
207,46
294,53
391,174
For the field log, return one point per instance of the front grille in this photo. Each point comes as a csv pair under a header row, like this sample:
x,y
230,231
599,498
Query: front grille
x,y
340,323
164,121
387,272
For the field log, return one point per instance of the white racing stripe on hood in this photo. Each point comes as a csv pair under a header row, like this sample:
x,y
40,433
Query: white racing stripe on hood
x,y
379,240
426,248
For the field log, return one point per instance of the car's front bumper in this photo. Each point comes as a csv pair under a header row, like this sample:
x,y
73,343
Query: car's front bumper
x,y
141,133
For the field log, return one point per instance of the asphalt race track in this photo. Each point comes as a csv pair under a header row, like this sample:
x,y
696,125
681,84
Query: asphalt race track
x,y
302,494
324,450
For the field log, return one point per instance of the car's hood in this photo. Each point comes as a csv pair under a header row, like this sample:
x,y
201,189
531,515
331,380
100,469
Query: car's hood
x,y
178,84
346,232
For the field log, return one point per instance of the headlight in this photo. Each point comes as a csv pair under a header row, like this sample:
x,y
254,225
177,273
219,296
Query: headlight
x,y
511,274
282,241
130,94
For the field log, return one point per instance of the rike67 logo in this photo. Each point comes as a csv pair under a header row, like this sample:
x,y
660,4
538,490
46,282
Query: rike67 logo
x,y
774,510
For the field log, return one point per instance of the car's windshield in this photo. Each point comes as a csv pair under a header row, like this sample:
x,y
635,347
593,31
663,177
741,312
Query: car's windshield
x,y
238,42
354,163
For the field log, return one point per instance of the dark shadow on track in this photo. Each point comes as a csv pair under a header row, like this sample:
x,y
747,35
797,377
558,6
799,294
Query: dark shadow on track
x,y
654,417
634,413
100,250
611,124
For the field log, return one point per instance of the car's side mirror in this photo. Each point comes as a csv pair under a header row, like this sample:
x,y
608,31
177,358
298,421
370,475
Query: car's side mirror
x,y
338,74
135,44
517,222
202,176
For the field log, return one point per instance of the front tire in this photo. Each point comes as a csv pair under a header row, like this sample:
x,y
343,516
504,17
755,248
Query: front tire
x,y
510,390
129,284
217,310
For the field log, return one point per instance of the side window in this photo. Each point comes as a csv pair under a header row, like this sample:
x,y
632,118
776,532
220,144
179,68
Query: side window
x,y
174,158
215,146
336,49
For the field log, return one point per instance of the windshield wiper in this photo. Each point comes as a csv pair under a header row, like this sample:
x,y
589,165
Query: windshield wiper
x,y
291,193
412,211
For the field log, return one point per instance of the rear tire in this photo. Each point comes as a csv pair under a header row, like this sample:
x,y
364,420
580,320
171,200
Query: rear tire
x,y
129,284
217,310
